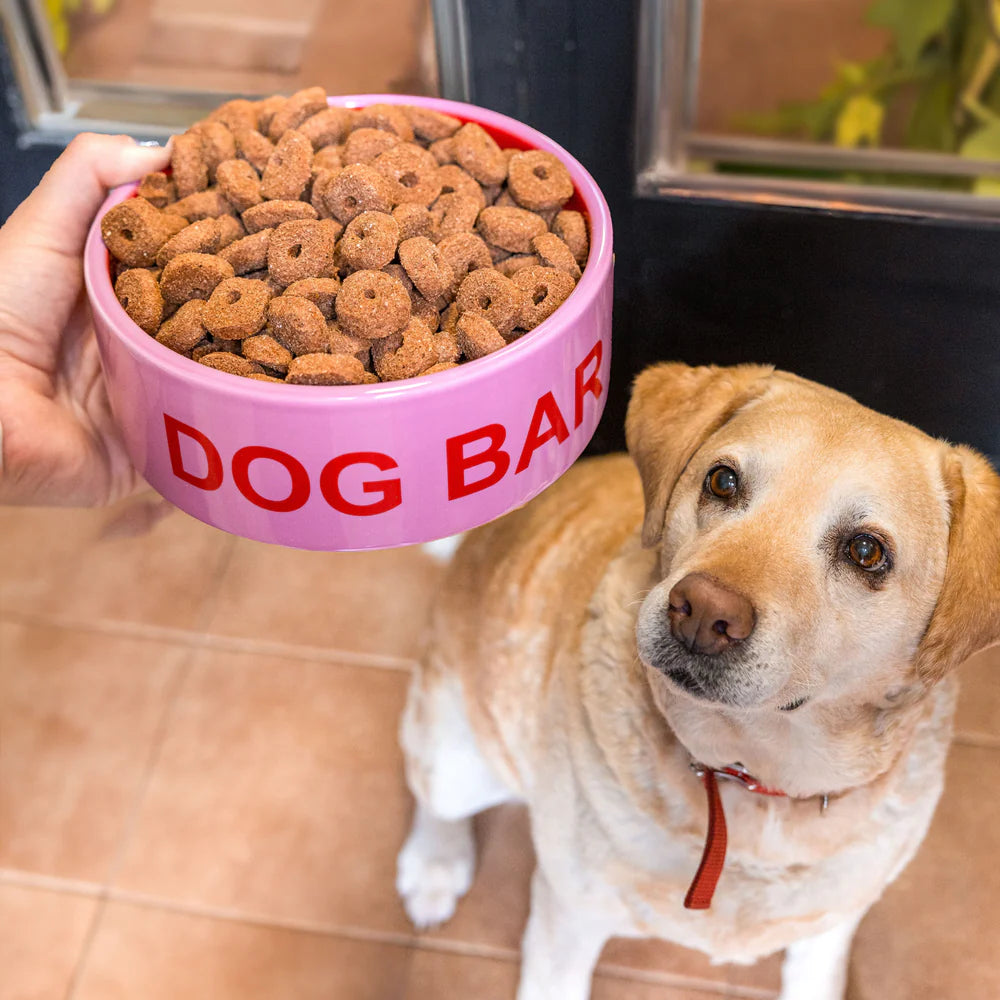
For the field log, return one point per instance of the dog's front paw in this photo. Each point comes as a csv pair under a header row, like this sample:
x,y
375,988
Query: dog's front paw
x,y
434,870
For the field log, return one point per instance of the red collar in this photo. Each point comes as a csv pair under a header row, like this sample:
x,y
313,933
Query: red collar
x,y
699,896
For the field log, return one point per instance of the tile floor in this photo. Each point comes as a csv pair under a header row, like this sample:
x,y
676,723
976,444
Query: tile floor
x,y
201,794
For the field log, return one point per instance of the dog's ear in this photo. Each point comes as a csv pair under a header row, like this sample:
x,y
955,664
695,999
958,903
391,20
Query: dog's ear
x,y
966,617
673,410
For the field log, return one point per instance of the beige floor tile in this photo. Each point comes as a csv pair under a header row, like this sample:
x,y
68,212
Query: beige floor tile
x,y
978,713
370,602
437,975
148,954
116,563
78,716
279,792
933,936
41,934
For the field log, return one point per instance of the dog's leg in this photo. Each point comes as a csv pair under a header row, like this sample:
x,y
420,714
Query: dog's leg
x,y
561,946
451,782
815,968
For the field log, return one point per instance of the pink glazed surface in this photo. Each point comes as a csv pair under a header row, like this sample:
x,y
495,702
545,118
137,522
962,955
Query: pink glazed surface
x,y
360,467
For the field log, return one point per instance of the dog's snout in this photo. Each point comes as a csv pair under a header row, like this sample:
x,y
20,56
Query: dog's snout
x,y
707,617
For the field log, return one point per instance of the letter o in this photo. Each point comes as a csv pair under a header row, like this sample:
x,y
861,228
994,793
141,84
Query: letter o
x,y
300,478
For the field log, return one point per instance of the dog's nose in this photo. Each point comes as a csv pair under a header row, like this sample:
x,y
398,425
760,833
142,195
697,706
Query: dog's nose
x,y
707,617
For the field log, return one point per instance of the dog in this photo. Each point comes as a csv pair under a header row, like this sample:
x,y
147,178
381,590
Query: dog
x,y
775,586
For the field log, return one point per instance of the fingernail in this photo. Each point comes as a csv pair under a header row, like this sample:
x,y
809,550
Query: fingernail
x,y
149,142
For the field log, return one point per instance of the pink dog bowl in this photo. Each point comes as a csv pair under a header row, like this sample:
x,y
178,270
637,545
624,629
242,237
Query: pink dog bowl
x,y
374,466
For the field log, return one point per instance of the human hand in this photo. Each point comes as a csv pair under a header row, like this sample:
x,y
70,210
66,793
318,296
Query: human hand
x,y
58,442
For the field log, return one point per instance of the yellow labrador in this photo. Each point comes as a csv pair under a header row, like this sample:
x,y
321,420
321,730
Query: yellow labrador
x,y
781,596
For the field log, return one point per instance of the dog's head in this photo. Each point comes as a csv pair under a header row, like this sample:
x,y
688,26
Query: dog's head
x,y
811,549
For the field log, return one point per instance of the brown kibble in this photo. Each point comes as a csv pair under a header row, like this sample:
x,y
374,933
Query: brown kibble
x,y
240,184
300,249
233,364
538,180
270,214
208,204
553,252
510,229
509,266
477,337
158,189
430,273
261,377
369,241
289,168
544,289
443,150
464,252
200,237
454,180
356,189
364,144
571,228
253,147
236,308
249,253
321,292
412,173
187,164
455,213
217,146
426,312
297,324
413,220
328,158
230,230
389,117
430,125
441,366
267,109
236,114
193,276
405,354
133,231
266,351
448,351
184,330
139,294
300,106
476,152
492,296
342,343
372,304
326,369
326,128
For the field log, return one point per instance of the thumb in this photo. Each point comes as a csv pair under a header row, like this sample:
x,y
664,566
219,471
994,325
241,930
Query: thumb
x,y
58,213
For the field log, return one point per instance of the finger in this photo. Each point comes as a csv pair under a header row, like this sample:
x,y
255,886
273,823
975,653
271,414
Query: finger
x,y
58,213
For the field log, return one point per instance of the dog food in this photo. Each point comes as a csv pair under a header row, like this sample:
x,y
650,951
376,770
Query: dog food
x,y
292,241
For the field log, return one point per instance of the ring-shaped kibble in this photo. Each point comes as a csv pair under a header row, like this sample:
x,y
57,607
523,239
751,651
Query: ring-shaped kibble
x,y
463,253
237,308
240,184
232,364
412,172
300,249
158,189
426,312
326,369
510,229
289,168
184,331
328,127
538,180
413,220
139,295
249,253
291,113
476,336
509,266
544,289
430,273
447,346
235,114
366,144
571,228
489,294
193,276
266,351
455,213
430,125
202,236
405,354
369,241
476,152
133,231
217,145
553,252
321,292
208,204
296,323
356,189
372,305
269,214
230,230
328,158
388,117
187,164
253,147
454,180
342,343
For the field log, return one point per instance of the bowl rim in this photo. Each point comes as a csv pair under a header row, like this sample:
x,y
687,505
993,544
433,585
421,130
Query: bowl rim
x,y
104,302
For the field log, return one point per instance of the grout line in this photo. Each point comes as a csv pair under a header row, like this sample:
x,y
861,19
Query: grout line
x,y
207,640
983,741
660,978
49,883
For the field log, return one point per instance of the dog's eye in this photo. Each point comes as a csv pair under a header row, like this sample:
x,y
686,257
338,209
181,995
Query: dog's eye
x,y
866,551
722,482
